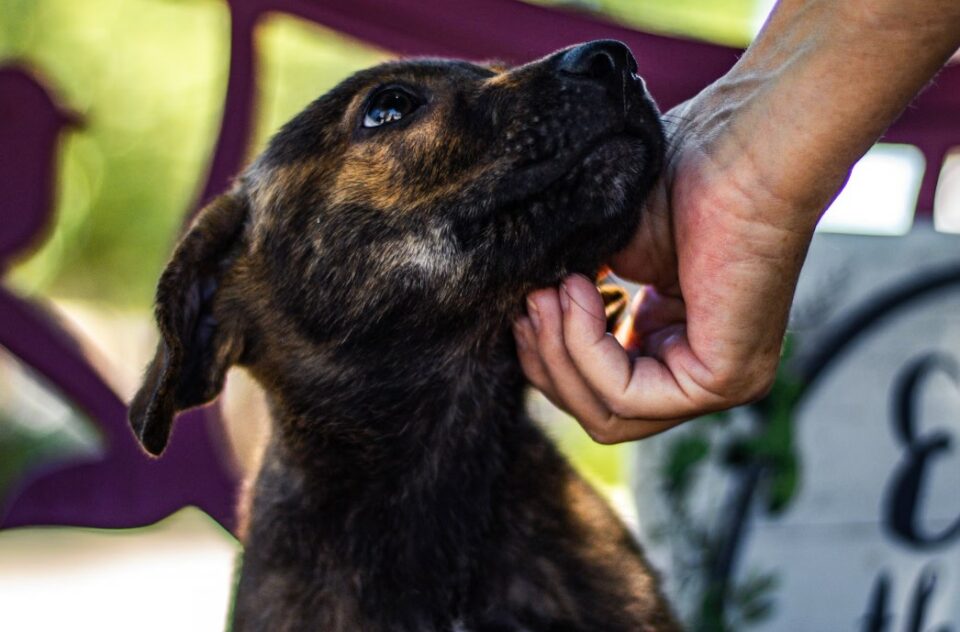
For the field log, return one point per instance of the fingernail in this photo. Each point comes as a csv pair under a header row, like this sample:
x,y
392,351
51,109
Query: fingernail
x,y
564,298
534,315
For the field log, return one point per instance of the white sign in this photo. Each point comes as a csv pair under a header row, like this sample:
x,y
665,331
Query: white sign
x,y
871,538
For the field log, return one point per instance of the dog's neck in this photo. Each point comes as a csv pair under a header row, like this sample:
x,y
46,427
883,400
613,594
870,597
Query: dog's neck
x,y
404,474
396,455
376,409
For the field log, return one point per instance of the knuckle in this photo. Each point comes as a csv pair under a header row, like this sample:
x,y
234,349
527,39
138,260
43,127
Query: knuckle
x,y
761,385
619,408
538,382
741,385
726,384
761,378
602,437
606,440
604,434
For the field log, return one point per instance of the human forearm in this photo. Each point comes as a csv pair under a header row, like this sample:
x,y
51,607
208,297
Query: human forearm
x,y
822,81
753,161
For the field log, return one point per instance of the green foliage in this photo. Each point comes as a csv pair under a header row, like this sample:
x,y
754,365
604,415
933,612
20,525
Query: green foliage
x,y
753,597
773,442
730,22
24,447
603,465
686,453
148,77
300,61
768,444
750,602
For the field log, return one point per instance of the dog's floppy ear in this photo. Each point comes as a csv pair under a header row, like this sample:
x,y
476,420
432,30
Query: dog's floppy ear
x,y
195,350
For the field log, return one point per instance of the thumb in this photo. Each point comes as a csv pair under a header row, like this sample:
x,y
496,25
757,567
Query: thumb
x,y
650,256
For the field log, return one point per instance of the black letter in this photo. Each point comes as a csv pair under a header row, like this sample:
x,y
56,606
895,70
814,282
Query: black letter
x,y
907,483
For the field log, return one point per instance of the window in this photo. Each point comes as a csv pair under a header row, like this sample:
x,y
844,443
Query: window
x,y
881,195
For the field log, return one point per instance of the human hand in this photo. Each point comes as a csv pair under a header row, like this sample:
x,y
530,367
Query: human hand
x,y
753,161
706,331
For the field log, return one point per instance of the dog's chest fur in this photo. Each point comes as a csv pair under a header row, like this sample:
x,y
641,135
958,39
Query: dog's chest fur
x,y
460,516
456,513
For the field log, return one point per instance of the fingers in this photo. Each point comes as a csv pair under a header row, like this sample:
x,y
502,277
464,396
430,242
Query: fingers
x,y
653,310
571,390
650,312
531,362
619,430
644,388
548,365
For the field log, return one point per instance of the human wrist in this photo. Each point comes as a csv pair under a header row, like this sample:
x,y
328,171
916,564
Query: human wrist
x,y
820,84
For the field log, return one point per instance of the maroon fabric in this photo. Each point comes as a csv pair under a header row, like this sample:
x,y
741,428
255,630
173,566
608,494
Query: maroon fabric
x,y
122,487
506,30
30,123
675,69
932,123
125,488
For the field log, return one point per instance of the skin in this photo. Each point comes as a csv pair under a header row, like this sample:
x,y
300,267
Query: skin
x,y
756,158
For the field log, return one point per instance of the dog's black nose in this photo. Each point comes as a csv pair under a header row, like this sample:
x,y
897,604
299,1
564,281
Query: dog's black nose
x,y
605,61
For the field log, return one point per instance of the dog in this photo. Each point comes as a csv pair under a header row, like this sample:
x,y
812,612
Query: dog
x,y
366,269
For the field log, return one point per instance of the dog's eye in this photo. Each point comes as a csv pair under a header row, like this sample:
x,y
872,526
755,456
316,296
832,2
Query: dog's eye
x,y
388,107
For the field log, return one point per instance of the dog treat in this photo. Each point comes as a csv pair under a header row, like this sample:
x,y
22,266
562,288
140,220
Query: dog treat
x,y
365,269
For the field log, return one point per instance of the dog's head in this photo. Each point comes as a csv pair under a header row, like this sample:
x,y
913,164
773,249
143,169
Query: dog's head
x,y
418,200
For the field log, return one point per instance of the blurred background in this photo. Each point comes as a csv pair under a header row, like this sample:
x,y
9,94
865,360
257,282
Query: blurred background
x,y
118,118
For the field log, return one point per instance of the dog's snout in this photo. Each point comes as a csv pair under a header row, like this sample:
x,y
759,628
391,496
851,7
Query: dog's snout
x,y
605,61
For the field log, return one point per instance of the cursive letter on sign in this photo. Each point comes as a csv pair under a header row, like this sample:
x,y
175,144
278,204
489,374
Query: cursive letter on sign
x,y
920,453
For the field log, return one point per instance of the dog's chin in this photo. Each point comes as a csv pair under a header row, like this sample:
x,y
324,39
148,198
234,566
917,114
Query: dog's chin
x,y
569,223
610,182
596,207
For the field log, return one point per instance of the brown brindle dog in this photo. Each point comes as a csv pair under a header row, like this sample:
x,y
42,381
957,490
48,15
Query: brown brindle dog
x,y
366,269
